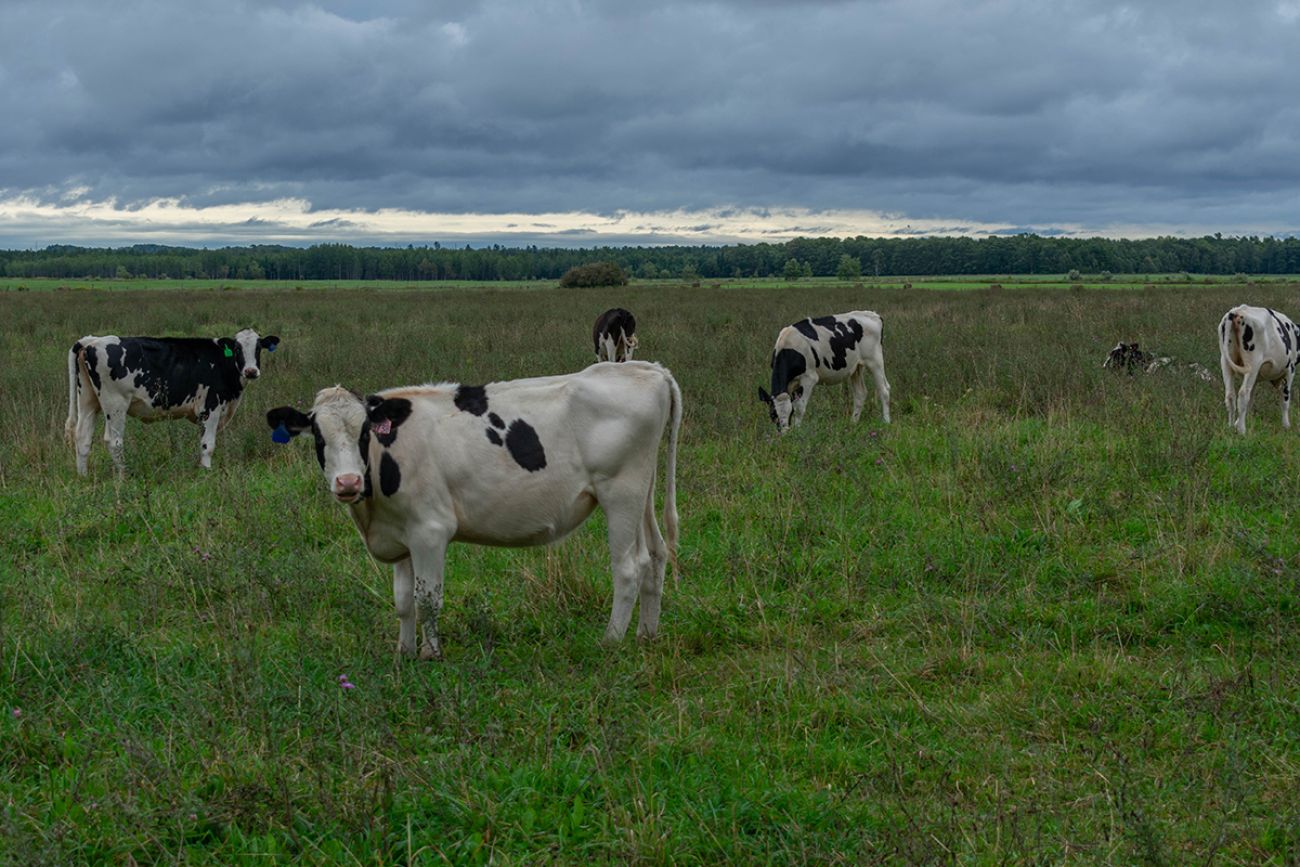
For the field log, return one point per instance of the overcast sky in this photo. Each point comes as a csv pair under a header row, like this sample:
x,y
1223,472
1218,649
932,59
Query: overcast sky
x,y
611,121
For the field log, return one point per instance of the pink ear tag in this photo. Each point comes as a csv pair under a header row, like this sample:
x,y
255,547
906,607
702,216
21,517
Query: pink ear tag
x,y
383,428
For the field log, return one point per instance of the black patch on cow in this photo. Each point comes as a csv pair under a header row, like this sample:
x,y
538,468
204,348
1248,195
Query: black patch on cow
x,y
844,335
390,475
787,366
615,322
805,327
817,362
391,409
524,446
471,399
92,367
114,353
1282,331
493,437
364,445
1248,337
496,421
320,443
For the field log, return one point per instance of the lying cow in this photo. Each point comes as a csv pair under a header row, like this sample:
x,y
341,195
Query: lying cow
x,y
506,464
152,378
827,349
614,335
1256,342
1129,358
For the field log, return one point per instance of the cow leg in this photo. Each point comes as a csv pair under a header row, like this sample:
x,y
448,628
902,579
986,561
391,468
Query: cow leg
x,y
427,558
404,599
623,500
876,362
859,382
209,440
1243,397
1286,396
801,403
1229,391
652,576
114,431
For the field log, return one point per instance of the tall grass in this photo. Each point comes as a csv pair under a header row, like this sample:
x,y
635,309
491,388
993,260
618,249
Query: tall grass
x,y
1049,614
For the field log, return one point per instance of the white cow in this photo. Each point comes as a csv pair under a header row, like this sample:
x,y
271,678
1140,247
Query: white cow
x,y
827,349
1256,342
507,464
153,378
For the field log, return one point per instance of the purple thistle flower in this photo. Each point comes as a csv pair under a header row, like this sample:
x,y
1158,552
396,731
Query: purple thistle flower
x,y
17,713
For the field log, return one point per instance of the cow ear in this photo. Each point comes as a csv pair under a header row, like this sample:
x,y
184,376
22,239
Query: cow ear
x,y
286,423
269,343
394,409
763,396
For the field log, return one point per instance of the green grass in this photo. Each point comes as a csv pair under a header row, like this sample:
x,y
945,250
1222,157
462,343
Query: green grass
x,y
1048,615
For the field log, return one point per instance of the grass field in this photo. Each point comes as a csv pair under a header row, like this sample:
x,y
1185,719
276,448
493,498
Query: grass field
x,y
1048,615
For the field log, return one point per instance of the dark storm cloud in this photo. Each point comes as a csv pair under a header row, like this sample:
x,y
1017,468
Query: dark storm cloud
x,y
1086,113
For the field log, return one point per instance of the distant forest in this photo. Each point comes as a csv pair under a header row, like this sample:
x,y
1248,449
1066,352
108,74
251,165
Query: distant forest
x,y
820,257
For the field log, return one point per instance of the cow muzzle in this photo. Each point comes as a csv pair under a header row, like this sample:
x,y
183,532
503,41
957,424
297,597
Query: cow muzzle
x,y
347,488
251,373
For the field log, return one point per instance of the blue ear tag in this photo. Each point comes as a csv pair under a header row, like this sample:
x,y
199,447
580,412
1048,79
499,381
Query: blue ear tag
x,y
272,347
281,434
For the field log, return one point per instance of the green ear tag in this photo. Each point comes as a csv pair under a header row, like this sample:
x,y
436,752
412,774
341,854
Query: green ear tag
x,y
229,352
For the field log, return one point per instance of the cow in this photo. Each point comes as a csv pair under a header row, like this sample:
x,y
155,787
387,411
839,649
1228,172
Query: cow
x,y
1129,358
1256,342
614,335
825,349
153,378
511,464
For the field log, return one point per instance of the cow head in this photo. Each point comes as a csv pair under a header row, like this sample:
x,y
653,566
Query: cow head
x,y
342,422
779,408
248,349
339,424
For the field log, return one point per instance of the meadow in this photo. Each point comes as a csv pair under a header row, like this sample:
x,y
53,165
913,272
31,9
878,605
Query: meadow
x,y
1048,615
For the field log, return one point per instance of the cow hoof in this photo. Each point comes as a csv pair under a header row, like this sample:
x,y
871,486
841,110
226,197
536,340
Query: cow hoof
x,y
430,654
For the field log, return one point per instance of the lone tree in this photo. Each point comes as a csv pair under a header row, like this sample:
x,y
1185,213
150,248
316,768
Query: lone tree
x,y
793,270
594,274
850,268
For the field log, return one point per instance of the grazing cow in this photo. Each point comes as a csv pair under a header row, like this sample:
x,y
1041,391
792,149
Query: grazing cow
x,y
507,464
614,335
1256,342
152,378
827,349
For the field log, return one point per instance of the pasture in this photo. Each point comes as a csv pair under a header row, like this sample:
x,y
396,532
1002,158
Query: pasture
x,y
1049,614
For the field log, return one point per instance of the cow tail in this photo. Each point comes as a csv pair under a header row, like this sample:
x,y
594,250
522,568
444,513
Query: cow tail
x,y
1232,351
70,425
670,481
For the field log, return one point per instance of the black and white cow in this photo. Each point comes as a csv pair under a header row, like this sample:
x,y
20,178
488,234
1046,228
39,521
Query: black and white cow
x,y
825,349
614,335
153,378
1254,343
507,464
1128,357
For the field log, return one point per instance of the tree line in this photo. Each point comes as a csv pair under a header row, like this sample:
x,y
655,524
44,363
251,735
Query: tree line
x,y
820,257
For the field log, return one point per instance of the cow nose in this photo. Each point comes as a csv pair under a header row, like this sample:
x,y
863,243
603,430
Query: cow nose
x,y
349,483
250,372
